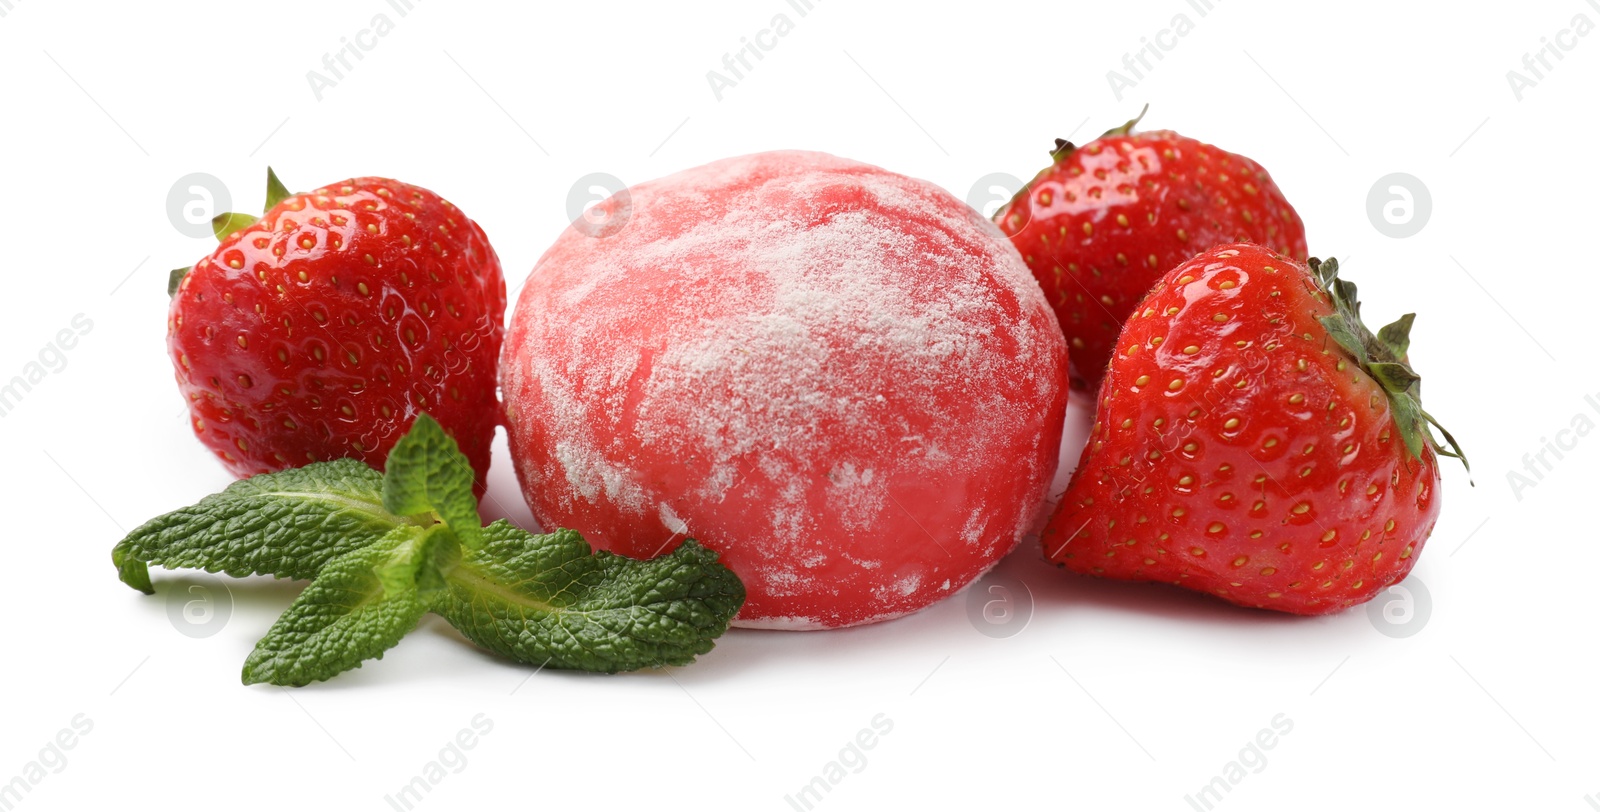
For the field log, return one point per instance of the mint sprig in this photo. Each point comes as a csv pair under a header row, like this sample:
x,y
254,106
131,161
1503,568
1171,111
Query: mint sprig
x,y
288,524
429,476
359,606
386,549
551,600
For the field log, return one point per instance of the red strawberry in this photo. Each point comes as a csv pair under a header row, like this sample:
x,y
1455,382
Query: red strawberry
x,y
1103,222
1256,442
322,329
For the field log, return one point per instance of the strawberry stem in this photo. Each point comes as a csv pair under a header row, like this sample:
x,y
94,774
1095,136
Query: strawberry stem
x,y
1127,127
1065,147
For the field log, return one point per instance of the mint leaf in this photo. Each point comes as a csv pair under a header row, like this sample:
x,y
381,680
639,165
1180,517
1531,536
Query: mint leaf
x,y
359,606
552,601
427,473
384,549
131,570
287,524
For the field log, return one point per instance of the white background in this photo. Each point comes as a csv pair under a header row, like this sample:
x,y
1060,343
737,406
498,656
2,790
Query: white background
x,y
1113,696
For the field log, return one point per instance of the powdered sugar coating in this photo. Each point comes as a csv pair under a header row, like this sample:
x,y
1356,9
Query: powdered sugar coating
x,y
843,379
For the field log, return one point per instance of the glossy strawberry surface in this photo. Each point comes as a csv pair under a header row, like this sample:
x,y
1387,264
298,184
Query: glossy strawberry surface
x,y
1241,451
1103,222
321,330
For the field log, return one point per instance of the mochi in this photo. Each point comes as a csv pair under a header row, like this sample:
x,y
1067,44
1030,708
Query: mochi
x,y
842,379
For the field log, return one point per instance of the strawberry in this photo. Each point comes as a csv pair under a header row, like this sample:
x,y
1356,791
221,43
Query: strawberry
x,y
1256,442
1104,221
322,329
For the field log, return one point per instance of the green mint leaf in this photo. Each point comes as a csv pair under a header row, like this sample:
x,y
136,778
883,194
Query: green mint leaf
x,y
427,473
288,524
360,605
131,570
551,601
420,568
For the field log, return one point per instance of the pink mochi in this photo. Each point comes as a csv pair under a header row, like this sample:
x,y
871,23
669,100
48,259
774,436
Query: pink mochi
x,y
842,379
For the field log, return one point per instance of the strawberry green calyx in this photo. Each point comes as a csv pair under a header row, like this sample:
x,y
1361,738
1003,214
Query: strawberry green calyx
x,y
1384,357
1127,127
175,278
1064,147
276,191
1064,150
226,224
